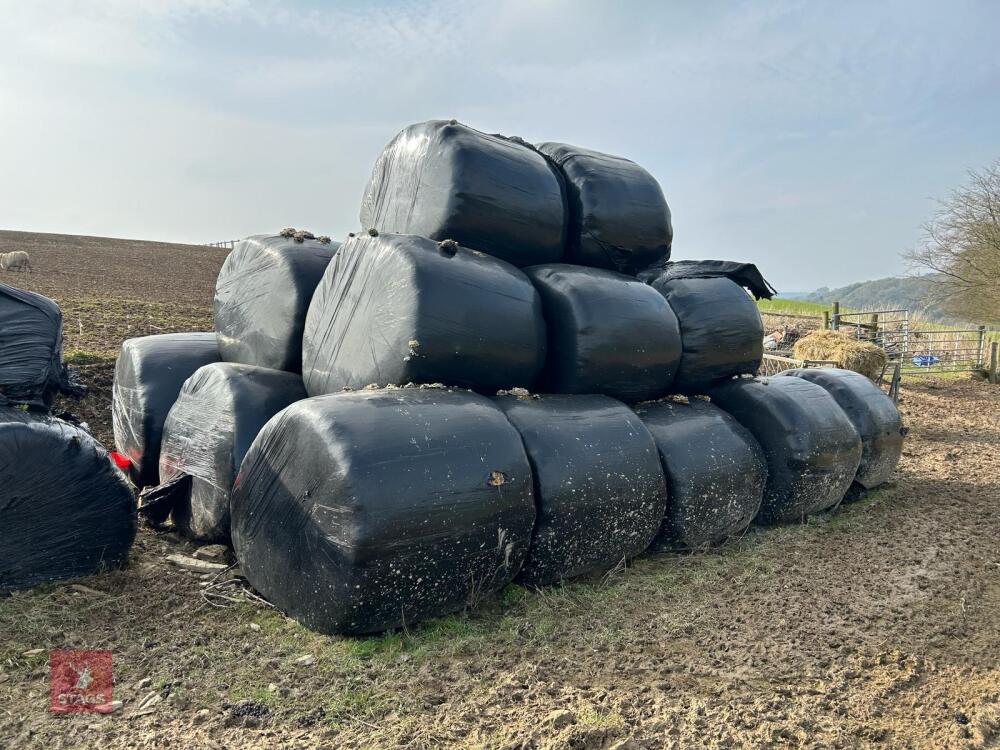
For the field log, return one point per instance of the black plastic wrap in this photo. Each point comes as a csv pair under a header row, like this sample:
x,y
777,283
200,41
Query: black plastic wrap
x,y
209,429
873,414
149,374
746,275
395,309
715,470
617,216
31,369
360,512
261,298
607,333
721,331
599,488
812,449
65,510
444,180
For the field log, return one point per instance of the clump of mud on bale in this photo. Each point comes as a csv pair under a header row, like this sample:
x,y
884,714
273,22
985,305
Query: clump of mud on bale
x,y
849,353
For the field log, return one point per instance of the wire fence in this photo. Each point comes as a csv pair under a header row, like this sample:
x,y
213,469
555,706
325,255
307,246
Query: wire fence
x,y
920,349
223,243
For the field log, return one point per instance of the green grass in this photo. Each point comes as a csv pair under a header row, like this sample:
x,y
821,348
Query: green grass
x,y
793,306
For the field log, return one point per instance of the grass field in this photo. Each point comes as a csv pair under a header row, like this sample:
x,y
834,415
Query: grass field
x,y
874,626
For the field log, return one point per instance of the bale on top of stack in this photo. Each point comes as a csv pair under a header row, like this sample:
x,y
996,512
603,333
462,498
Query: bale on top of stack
x,y
444,180
617,215
31,341
262,295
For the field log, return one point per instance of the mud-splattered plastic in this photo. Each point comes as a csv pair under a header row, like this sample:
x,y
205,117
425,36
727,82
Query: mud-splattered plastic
x,y
149,374
721,330
873,414
599,488
395,309
617,216
444,180
361,512
715,472
812,449
31,333
261,298
65,509
209,429
607,333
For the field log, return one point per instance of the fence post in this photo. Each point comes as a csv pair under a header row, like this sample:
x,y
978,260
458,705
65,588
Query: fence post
x,y
836,316
981,349
826,319
993,361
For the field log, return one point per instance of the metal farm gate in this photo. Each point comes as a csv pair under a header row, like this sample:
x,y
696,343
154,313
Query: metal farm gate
x,y
922,350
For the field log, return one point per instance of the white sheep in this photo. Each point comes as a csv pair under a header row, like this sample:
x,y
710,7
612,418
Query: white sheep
x,y
15,261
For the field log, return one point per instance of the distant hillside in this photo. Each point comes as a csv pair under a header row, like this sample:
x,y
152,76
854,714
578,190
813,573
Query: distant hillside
x,y
894,292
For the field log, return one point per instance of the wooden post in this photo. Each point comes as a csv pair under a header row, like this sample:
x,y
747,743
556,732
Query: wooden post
x,y
874,333
836,316
826,320
994,346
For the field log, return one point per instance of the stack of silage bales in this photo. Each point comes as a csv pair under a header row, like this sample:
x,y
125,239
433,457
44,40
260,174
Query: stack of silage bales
x,y
482,386
199,400
65,508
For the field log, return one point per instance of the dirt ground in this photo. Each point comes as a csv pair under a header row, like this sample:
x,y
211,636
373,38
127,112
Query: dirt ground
x,y
877,626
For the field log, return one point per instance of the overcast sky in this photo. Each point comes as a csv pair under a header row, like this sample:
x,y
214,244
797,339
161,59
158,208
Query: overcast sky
x,y
808,137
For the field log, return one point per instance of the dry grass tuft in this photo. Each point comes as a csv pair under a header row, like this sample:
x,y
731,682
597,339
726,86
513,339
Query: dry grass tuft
x,y
847,352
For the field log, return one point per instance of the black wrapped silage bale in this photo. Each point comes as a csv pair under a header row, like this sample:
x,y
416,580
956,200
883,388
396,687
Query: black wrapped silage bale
x,y
65,510
618,217
149,374
395,309
423,504
812,449
209,429
873,414
715,470
31,340
721,331
599,489
607,333
444,180
262,296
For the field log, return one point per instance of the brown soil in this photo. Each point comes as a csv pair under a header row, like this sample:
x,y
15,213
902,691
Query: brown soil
x,y
878,626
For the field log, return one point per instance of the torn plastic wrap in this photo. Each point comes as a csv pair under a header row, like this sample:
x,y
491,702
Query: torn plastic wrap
x,y
361,512
261,298
65,510
721,330
873,414
149,374
444,180
617,216
31,331
811,447
599,488
395,309
607,333
209,429
745,275
715,472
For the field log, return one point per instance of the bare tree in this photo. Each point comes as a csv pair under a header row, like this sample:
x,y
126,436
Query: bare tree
x,y
961,249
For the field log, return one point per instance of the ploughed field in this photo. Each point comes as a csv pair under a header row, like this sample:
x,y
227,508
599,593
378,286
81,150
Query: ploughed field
x,y
878,625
